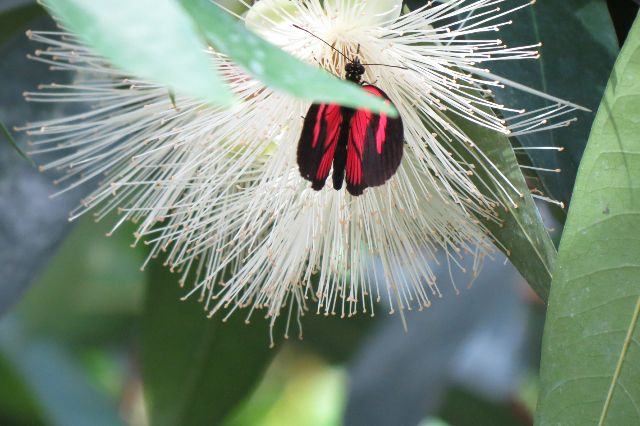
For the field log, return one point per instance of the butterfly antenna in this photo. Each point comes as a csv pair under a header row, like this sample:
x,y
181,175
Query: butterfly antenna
x,y
309,32
386,65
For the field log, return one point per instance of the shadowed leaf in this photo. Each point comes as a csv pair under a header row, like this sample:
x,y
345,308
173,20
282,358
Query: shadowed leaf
x,y
578,49
196,369
521,231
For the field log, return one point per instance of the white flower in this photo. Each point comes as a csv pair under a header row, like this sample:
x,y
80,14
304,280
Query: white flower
x,y
220,191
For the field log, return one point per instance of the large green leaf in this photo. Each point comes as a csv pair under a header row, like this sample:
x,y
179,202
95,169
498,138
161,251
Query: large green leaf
x,y
195,370
591,347
157,40
153,39
579,47
520,232
272,65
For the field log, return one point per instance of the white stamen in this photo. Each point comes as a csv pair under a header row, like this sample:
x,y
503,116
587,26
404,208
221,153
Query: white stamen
x,y
219,190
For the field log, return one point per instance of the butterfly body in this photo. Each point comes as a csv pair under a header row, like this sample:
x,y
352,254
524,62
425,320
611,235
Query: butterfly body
x,y
340,156
363,148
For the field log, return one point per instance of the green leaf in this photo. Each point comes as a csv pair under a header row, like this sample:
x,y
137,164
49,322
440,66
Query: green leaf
x,y
195,369
591,347
152,39
521,231
15,18
17,403
579,46
275,67
461,407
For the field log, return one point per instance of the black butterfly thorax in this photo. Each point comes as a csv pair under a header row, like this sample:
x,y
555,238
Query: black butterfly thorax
x,y
354,71
340,156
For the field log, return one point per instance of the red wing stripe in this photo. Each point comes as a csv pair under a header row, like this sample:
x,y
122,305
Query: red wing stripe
x,y
381,134
318,141
325,164
334,119
331,117
357,136
316,129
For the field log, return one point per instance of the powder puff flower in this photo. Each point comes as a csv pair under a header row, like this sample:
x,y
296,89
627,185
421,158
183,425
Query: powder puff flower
x,y
220,192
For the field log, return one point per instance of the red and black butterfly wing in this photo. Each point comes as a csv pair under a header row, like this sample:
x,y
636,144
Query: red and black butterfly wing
x,y
374,149
318,142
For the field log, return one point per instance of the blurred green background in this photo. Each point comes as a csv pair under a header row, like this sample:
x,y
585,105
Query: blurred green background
x,y
71,350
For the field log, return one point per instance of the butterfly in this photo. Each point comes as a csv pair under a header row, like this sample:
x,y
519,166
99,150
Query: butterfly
x,y
363,148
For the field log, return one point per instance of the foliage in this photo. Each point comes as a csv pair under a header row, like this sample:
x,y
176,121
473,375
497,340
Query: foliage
x,y
570,70
591,357
520,231
168,31
188,361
